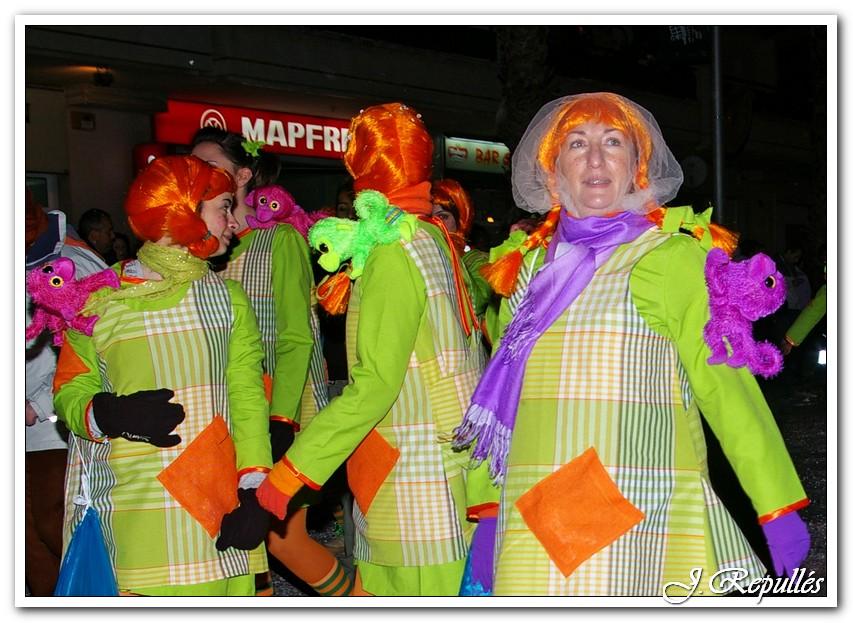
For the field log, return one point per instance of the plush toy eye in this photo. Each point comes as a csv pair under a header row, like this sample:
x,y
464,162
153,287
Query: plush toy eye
x,y
274,206
770,282
47,270
56,282
324,248
262,200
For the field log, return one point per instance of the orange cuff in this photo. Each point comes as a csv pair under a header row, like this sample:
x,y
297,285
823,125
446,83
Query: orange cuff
x,y
89,413
481,511
287,479
783,511
286,420
249,470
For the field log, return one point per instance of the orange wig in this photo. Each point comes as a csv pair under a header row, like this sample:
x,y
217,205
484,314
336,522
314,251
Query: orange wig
x,y
450,195
165,198
597,108
389,149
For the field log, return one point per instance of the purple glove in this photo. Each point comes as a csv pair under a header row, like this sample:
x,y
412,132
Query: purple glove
x,y
789,541
483,553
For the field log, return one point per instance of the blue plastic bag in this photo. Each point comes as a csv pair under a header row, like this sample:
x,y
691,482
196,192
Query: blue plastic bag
x,y
86,569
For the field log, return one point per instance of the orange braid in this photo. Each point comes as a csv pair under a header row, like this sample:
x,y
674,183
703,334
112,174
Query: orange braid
x,y
333,293
502,274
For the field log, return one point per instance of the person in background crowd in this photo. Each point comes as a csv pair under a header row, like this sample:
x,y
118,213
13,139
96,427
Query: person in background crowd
x,y
812,314
479,238
47,237
588,413
333,327
798,293
527,225
453,206
274,267
415,356
177,330
345,197
122,247
96,228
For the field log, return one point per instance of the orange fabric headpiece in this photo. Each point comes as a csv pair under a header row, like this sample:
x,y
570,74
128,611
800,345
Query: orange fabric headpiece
x,y
164,200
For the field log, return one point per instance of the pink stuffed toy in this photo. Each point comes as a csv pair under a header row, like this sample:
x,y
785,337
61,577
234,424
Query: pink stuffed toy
x,y
740,293
59,299
274,205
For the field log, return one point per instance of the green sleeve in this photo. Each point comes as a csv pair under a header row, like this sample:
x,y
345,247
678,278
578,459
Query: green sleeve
x,y
498,319
291,285
481,291
244,378
393,302
808,318
668,289
73,397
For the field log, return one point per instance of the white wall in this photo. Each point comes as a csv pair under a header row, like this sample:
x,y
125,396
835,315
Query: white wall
x,y
96,166
46,144
100,162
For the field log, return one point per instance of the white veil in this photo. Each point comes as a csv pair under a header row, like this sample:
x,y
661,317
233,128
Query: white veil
x,y
530,182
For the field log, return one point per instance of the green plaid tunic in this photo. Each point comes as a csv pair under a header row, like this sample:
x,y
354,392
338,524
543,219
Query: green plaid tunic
x,y
272,266
601,377
413,372
418,516
203,344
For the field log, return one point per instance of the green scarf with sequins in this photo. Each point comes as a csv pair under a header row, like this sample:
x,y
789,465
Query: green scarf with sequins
x,y
177,266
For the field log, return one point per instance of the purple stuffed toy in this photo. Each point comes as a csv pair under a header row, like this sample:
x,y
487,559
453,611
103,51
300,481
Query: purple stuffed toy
x,y
59,299
740,293
274,205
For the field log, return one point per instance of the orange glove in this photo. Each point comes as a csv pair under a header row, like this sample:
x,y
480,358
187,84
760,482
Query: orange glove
x,y
279,487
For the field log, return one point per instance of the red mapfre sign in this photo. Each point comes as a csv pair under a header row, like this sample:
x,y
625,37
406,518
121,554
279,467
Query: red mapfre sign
x,y
282,133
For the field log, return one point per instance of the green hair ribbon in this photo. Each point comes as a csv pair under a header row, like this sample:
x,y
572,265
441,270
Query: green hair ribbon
x,y
252,148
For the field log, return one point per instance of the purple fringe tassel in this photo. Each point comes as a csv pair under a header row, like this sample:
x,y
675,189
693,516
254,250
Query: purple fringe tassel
x,y
493,439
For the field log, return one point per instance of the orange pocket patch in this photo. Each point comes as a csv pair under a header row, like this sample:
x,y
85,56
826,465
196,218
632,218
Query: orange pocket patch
x,y
577,511
203,479
369,466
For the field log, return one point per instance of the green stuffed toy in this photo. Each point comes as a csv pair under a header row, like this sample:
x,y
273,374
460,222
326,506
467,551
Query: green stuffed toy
x,y
338,239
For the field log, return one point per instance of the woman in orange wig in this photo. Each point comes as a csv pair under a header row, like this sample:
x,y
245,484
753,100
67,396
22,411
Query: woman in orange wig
x,y
453,206
588,413
274,266
173,362
414,359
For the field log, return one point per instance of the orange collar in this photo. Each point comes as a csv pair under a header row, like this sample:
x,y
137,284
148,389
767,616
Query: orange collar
x,y
412,199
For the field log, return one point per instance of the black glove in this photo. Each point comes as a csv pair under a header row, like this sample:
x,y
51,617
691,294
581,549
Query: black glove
x,y
246,526
281,438
142,416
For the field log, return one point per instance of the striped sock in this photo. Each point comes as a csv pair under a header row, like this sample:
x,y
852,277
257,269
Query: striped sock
x,y
336,583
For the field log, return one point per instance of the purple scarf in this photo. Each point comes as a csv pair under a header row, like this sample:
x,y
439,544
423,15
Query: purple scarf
x,y
491,417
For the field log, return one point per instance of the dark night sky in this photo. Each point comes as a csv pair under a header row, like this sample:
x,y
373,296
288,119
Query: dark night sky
x,y
644,57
